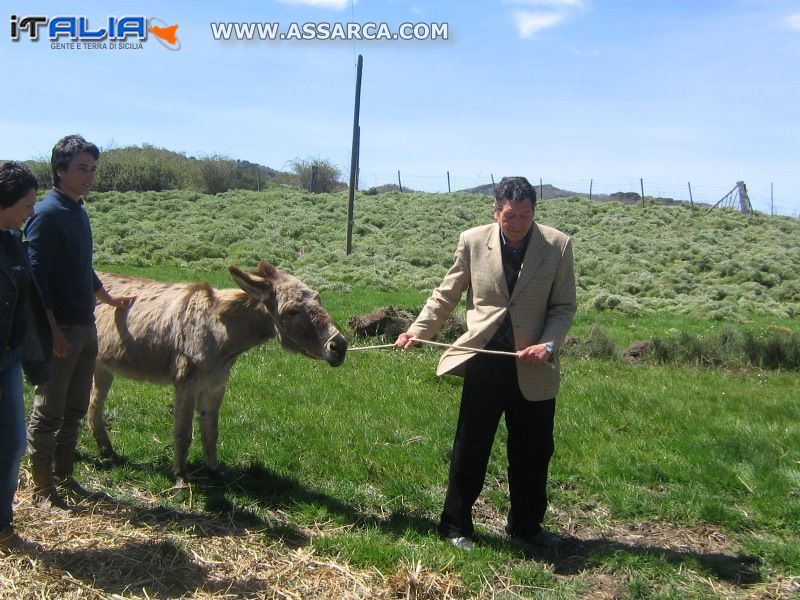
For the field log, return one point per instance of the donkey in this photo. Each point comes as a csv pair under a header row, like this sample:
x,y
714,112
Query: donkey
x,y
190,335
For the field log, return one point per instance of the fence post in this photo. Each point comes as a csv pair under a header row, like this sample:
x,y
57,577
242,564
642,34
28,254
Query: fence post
x,y
354,158
448,182
399,183
314,178
541,197
358,156
691,200
591,183
641,184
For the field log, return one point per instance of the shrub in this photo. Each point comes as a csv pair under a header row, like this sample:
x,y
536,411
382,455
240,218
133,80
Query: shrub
x,y
775,350
42,171
217,175
327,175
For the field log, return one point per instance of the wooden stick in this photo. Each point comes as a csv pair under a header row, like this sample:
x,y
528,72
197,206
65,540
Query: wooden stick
x,y
479,350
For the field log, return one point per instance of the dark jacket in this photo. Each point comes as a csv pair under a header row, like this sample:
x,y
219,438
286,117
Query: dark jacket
x,y
37,345
60,251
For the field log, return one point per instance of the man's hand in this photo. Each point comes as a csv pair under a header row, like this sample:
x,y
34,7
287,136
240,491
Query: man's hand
x,y
60,343
123,302
535,355
406,340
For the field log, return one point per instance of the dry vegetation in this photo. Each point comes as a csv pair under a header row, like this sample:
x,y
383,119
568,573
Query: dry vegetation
x,y
136,548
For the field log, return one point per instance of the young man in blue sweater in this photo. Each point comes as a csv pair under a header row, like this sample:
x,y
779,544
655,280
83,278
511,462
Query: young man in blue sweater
x,y
60,252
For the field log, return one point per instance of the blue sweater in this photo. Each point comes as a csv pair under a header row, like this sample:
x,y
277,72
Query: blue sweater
x,y
60,252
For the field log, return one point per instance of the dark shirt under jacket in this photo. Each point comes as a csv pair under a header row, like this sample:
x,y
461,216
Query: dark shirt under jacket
x,y
15,263
60,252
503,338
23,322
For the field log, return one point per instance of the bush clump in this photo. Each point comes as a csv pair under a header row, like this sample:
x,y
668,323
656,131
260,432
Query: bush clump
x,y
730,348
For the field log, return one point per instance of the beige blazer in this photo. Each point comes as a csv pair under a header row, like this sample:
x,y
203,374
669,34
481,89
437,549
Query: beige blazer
x,y
541,307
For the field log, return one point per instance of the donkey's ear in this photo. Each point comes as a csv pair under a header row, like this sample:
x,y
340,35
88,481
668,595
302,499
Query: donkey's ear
x,y
266,269
254,286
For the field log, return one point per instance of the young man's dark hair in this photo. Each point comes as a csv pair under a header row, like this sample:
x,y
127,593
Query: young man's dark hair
x,y
65,150
16,181
514,189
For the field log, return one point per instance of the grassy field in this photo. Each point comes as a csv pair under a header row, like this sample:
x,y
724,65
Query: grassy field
x,y
670,481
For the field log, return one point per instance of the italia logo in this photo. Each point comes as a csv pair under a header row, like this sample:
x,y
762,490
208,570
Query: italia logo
x,y
113,32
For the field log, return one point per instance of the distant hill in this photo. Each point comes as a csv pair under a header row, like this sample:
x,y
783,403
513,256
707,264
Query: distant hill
x,y
550,192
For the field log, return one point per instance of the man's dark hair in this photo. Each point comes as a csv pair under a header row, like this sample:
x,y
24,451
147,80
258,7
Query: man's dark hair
x,y
515,190
65,150
16,182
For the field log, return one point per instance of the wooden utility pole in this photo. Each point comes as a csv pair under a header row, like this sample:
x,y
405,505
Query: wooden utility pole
x,y
691,200
354,157
591,183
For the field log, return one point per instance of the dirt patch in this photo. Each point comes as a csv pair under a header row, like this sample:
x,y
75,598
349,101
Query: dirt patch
x,y
388,322
635,354
589,532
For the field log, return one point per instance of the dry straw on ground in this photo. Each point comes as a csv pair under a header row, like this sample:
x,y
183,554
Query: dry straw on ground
x,y
138,549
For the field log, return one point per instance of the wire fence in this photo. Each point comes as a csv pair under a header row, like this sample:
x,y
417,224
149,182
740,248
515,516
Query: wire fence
x,y
763,199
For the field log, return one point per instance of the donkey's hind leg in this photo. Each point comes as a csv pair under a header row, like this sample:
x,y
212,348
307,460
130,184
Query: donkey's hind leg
x,y
103,379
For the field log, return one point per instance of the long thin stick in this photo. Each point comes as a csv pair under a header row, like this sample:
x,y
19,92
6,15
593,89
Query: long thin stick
x,y
480,350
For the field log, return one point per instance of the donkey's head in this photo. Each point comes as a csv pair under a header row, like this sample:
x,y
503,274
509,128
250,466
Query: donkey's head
x,y
302,325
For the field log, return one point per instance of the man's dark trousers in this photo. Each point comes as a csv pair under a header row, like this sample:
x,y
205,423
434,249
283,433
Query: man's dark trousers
x,y
491,389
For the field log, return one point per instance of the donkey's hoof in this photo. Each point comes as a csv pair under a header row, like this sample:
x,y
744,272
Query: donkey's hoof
x,y
181,488
218,477
109,454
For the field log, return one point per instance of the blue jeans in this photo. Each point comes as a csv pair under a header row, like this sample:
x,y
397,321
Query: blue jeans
x,y
12,433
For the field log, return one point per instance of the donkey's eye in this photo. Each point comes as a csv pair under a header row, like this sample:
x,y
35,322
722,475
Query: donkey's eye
x,y
290,314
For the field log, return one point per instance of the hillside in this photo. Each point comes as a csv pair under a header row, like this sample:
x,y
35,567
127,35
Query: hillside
x,y
550,192
723,265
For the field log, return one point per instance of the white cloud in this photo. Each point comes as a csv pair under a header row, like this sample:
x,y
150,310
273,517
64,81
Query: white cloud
x,y
336,4
794,21
530,23
546,3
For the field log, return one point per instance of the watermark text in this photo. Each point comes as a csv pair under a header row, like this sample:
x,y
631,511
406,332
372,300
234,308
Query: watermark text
x,y
272,31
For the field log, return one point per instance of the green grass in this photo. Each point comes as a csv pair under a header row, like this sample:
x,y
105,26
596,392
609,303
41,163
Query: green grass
x,y
361,452
359,455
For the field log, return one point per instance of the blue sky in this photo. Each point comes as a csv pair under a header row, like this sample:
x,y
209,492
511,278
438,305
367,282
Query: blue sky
x,y
700,91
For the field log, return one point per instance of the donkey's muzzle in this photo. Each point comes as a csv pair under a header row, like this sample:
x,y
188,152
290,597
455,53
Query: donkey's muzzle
x,y
335,350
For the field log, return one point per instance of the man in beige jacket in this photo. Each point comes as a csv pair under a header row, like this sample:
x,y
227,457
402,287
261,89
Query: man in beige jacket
x,y
520,285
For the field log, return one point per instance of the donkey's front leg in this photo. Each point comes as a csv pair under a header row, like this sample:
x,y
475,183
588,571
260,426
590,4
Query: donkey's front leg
x,y
182,414
208,408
